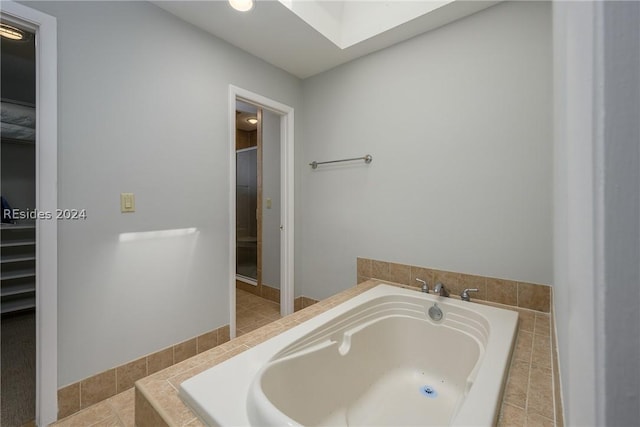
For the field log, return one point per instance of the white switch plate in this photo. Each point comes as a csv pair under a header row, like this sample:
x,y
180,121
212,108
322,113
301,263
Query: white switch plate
x,y
127,202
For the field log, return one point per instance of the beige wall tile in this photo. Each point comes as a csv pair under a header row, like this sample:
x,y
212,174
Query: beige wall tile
x,y
171,404
270,293
535,420
159,360
524,345
308,302
421,273
511,416
247,288
88,417
541,351
112,421
363,267
362,279
207,341
449,279
97,388
380,270
128,418
297,304
468,281
540,397
123,404
535,297
502,291
195,423
526,320
127,375
68,400
185,350
223,334
146,416
517,384
399,273
542,325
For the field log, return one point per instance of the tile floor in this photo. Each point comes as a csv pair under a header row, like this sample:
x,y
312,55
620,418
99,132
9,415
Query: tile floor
x,y
252,312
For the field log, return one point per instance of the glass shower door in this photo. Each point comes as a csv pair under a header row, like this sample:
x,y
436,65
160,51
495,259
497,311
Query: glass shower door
x,y
246,220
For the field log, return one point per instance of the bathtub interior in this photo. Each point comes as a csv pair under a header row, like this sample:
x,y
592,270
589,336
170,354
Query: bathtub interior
x,y
376,375
384,362
366,361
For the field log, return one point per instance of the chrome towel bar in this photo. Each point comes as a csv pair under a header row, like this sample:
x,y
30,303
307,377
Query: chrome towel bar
x,y
367,159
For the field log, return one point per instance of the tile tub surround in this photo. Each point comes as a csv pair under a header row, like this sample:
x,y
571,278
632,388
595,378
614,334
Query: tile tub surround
x,y
528,395
102,386
519,294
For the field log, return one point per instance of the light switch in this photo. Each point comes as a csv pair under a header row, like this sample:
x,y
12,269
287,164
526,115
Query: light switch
x,y
127,202
268,203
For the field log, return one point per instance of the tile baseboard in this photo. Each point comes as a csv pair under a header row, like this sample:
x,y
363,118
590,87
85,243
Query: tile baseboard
x,y
89,391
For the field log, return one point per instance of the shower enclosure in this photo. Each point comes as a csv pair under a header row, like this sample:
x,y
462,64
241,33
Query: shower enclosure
x,y
246,220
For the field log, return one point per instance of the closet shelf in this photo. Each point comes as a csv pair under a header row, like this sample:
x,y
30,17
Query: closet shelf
x,y
16,243
20,289
17,305
18,274
6,226
16,258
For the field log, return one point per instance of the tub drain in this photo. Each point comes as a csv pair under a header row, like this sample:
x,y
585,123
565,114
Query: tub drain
x,y
428,391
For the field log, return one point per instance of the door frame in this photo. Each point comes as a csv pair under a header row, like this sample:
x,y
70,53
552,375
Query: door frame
x,y
286,114
45,28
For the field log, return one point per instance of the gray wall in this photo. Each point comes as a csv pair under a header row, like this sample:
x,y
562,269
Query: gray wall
x,y
597,210
459,125
458,122
143,101
271,189
621,160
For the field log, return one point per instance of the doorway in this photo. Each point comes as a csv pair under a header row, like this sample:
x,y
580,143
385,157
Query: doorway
x,y
44,28
18,240
257,217
261,210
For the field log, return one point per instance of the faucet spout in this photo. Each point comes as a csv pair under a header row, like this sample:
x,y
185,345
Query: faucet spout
x,y
439,289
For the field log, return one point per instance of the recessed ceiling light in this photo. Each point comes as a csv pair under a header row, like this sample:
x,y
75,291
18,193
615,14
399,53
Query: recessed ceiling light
x,y
11,33
241,5
252,120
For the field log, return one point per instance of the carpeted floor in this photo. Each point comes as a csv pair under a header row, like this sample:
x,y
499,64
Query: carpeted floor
x,y
18,379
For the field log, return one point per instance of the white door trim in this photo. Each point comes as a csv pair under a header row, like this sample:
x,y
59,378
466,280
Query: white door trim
x,y
286,203
45,27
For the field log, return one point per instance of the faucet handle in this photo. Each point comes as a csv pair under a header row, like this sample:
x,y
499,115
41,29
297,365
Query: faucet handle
x,y
464,296
425,287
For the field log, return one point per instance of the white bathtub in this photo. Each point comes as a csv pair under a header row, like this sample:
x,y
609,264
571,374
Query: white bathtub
x,y
377,359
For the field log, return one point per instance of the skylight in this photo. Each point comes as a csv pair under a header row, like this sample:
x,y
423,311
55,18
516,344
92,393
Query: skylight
x,y
346,23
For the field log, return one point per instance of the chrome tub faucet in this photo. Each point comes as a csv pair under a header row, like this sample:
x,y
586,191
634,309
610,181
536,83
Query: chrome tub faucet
x,y
425,286
464,296
439,289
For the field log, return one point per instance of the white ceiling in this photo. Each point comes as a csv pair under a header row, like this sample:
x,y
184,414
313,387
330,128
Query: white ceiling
x,y
273,32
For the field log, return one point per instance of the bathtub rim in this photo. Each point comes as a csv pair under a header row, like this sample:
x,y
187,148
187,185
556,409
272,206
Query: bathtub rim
x,y
238,372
